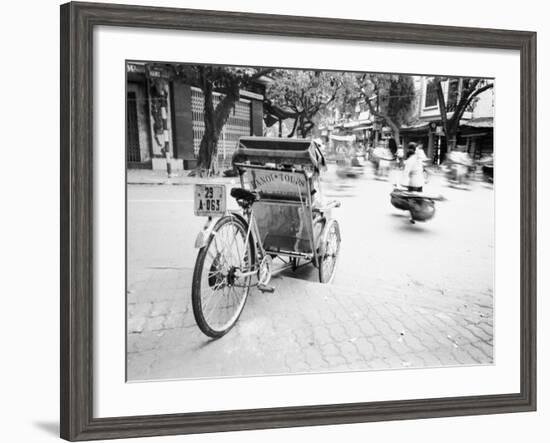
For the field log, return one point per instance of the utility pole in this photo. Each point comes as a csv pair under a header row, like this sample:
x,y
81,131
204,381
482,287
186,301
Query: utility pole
x,y
166,135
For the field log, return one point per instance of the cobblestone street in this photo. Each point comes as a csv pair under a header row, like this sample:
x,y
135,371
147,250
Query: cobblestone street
x,y
406,311
306,327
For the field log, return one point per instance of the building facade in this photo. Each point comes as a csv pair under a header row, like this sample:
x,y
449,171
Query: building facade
x,y
165,115
475,133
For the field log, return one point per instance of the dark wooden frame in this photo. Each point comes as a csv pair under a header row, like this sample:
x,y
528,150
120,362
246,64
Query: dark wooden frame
x,y
77,24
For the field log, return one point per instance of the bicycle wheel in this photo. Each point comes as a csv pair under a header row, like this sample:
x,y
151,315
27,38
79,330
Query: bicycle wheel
x,y
218,294
329,249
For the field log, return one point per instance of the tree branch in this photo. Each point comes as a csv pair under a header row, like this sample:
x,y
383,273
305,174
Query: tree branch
x,y
475,94
277,111
261,73
464,103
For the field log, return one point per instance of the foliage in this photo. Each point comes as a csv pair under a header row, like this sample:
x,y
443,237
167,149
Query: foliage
x,y
224,79
390,97
301,95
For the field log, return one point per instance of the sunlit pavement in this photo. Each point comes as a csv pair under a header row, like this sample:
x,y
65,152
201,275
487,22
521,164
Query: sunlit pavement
x,y
404,295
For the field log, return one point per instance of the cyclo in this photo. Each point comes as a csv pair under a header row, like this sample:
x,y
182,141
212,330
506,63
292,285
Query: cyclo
x,y
282,224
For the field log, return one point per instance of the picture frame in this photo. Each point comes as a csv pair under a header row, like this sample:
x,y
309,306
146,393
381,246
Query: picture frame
x,y
78,21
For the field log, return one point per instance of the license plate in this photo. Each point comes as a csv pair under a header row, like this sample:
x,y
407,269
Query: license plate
x,y
209,200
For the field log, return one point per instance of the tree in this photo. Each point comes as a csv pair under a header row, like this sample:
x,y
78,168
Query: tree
x,y
226,80
393,96
301,95
459,100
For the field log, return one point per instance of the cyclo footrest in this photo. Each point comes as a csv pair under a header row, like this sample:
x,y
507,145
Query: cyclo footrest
x,y
266,288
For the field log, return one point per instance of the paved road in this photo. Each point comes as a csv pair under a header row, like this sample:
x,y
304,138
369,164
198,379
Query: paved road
x,y
404,295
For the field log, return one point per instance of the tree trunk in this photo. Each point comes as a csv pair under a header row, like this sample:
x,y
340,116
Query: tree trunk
x,y
214,120
387,120
302,132
293,128
308,127
394,130
451,125
443,115
451,136
210,138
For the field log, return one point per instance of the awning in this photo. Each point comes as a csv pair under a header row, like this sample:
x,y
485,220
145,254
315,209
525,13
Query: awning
x,y
480,122
351,124
416,127
342,138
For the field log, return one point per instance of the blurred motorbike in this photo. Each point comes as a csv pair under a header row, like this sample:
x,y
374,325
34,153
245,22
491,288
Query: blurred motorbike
x,y
457,168
420,205
350,166
382,160
350,160
457,174
487,168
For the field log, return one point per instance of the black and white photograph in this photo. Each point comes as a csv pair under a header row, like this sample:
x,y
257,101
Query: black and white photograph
x,y
297,221
266,222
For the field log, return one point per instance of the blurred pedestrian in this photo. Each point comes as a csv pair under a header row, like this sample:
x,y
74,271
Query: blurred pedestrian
x,y
419,151
392,145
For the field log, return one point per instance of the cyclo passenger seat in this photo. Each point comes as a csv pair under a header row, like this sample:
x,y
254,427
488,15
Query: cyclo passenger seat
x,y
244,195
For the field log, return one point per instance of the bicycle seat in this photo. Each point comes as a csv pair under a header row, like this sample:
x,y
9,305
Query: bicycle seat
x,y
243,194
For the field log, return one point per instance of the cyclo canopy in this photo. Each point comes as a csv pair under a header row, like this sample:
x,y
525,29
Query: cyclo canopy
x,y
285,174
280,152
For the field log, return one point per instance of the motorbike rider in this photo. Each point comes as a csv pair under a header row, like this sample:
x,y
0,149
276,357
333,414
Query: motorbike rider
x,y
413,171
383,157
459,162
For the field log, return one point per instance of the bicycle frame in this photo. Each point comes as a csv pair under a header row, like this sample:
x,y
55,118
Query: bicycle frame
x,y
253,234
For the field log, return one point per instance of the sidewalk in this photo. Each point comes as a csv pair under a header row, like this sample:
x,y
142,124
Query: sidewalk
x,y
151,177
158,177
304,327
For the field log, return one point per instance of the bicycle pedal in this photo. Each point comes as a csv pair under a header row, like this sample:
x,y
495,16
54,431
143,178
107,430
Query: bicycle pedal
x,y
266,288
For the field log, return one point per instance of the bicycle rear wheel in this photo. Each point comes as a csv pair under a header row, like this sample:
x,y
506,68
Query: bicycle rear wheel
x,y
328,253
218,294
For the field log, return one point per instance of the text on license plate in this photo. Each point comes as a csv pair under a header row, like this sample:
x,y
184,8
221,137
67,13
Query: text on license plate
x,y
209,200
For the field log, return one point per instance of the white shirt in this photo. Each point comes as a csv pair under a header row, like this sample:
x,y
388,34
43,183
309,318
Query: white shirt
x,y
413,174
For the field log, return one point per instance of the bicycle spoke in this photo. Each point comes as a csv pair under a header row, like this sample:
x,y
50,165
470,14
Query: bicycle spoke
x,y
209,254
223,295
228,247
213,295
213,309
212,274
230,302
